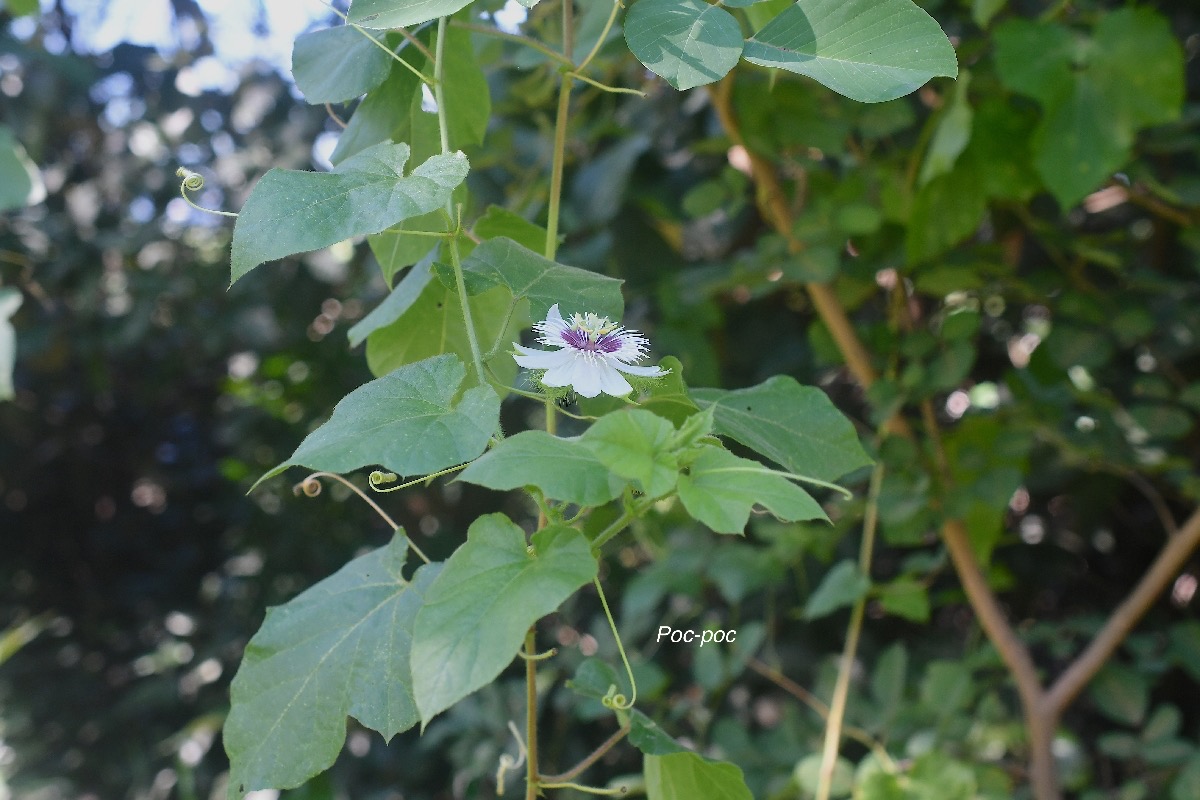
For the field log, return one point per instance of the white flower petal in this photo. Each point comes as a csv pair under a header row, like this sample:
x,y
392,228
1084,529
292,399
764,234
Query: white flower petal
x,y
642,372
612,382
552,328
587,379
633,347
542,359
563,373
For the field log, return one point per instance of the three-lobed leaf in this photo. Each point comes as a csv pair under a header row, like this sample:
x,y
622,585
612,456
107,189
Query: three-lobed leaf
x,y
407,421
560,468
636,445
478,609
503,262
720,489
867,50
795,426
339,649
688,42
291,211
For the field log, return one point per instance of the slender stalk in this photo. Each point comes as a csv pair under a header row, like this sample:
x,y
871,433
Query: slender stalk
x,y
841,689
531,730
439,93
311,487
612,17
560,136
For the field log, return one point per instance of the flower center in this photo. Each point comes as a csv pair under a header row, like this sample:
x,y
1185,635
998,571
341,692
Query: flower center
x,y
593,334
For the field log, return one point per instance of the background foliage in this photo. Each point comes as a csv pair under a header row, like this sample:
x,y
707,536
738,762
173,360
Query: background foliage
x,y
1018,247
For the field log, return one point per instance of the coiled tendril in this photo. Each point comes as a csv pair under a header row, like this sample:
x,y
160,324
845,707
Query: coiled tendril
x,y
194,182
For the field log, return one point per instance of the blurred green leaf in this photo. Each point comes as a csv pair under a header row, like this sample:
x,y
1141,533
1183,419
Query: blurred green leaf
x,y
20,181
843,585
10,301
1121,693
689,776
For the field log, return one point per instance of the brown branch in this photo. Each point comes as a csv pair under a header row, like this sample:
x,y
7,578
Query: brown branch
x,y
588,760
773,204
1166,566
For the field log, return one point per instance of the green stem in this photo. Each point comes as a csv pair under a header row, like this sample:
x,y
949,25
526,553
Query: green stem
x,y
411,39
439,95
472,339
515,37
841,689
612,17
612,530
531,743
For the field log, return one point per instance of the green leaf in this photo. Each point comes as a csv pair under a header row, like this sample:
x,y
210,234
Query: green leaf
x,y
398,248
406,421
1187,783
1034,58
688,42
669,395
433,325
808,774
385,114
401,13
503,262
867,50
476,613
20,182
1095,94
339,649
22,8
795,426
1121,693
905,597
888,681
945,211
689,776
468,100
401,298
946,686
952,134
844,585
290,211
338,64
719,489
635,444
10,301
562,469
498,221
